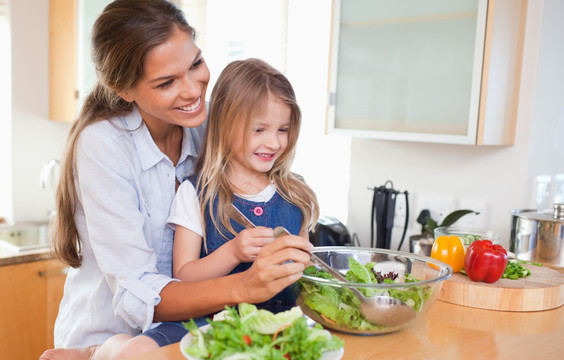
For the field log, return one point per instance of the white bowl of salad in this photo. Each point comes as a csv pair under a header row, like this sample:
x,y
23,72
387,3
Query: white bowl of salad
x,y
416,280
247,333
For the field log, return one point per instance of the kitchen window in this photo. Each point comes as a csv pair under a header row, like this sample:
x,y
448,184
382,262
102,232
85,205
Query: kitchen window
x,y
228,30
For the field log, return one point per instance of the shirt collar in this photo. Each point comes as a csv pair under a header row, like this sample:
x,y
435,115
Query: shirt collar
x,y
188,146
149,152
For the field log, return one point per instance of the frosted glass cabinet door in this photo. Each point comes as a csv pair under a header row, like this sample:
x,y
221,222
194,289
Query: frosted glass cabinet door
x,y
407,69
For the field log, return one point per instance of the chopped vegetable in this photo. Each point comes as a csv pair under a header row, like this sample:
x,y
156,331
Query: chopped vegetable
x,y
468,239
515,270
449,249
485,261
234,337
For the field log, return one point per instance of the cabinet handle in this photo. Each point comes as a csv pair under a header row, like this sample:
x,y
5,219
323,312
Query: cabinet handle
x,y
53,272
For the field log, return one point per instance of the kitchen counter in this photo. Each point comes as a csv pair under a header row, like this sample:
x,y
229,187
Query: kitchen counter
x,y
450,331
24,242
12,258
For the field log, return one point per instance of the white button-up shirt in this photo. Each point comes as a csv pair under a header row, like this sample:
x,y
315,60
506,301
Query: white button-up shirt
x,y
125,188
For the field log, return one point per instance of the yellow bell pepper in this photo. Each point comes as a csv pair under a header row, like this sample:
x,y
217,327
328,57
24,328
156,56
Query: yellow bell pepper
x,y
449,249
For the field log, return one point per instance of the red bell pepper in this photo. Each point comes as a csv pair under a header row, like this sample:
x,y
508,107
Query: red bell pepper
x,y
485,261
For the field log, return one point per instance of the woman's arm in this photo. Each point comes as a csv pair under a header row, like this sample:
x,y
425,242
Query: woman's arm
x,y
278,265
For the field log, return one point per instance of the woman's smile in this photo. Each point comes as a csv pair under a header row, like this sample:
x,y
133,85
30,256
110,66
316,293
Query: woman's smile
x,y
191,108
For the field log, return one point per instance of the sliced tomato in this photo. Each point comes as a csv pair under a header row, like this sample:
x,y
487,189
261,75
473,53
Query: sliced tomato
x,y
247,339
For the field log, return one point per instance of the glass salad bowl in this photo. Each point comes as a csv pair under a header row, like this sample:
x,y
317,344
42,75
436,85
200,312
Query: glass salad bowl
x,y
415,280
467,234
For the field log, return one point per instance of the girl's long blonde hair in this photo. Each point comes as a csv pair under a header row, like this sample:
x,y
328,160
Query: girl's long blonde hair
x,y
121,38
240,94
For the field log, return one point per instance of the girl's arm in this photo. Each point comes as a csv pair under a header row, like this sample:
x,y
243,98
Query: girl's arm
x,y
188,266
271,272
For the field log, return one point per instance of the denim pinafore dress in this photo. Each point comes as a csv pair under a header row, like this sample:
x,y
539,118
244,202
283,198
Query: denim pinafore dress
x,y
274,212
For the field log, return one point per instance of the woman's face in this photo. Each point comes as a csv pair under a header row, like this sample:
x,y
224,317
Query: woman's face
x,y
173,87
267,141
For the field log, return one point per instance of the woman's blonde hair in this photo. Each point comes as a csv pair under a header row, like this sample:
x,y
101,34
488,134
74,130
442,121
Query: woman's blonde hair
x,y
122,37
241,93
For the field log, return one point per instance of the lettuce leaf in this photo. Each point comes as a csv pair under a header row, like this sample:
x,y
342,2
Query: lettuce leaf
x,y
265,322
358,273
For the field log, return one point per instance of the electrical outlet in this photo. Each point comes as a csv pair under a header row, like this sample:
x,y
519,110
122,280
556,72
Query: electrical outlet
x,y
400,215
473,220
439,205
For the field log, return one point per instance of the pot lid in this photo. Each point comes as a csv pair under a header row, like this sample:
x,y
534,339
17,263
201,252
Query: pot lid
x,y
556,215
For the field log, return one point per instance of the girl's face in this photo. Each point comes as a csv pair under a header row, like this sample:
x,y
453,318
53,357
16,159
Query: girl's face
x,y
173,88
267,141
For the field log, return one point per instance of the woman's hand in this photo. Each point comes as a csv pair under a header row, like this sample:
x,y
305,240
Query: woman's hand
x,y
278,265
248,243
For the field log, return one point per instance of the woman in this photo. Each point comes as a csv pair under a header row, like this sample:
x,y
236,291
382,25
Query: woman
x,y
137,136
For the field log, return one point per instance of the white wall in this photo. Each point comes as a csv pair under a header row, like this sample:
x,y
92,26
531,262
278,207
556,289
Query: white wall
x,y
5,120
547,151
503,177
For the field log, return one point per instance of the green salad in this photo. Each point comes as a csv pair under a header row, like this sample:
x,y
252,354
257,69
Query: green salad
x,y
251,333
338,305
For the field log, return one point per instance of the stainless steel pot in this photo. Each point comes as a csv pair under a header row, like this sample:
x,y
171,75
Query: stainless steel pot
x,y
538,235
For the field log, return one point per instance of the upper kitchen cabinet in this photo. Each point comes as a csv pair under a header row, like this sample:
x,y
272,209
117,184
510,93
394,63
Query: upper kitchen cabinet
x,y
438,71
71,72
63,86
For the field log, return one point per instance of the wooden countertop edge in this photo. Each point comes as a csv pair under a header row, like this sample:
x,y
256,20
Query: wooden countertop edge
x,y
40,254
544,290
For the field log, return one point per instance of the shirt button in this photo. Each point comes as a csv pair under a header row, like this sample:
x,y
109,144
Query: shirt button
x,y
258,211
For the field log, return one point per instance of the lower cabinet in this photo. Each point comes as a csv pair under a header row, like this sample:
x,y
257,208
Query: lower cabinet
x,y
29,303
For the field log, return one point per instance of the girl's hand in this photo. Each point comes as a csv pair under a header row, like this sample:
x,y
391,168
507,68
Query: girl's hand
x,y
278,265
248,243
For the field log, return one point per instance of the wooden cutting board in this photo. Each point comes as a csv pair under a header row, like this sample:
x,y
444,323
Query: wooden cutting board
x,y
542,290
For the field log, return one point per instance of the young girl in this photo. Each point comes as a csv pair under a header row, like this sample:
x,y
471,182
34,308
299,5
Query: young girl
x,y
253,127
